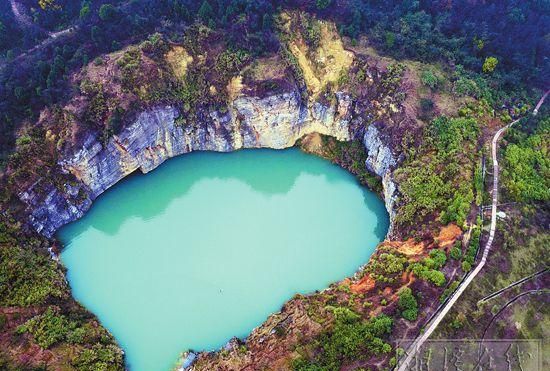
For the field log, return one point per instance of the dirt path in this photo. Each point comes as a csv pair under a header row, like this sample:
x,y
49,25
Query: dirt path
x,y
25,22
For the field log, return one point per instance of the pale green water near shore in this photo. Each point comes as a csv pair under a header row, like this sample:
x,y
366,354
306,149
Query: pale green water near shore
x,y
208,245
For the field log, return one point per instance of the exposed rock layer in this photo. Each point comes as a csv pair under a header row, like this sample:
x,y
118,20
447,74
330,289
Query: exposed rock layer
x,y
381,161
276,121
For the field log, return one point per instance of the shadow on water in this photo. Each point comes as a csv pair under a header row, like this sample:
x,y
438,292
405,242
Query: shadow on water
x,y
382,224
146,196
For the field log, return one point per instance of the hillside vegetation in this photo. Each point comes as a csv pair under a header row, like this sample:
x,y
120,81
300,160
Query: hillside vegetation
x,y
438,78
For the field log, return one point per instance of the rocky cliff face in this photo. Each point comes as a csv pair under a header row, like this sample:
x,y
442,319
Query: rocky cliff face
x,y
275,121
381,161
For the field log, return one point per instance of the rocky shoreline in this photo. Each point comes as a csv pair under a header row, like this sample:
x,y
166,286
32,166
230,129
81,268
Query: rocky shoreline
x,y
276,122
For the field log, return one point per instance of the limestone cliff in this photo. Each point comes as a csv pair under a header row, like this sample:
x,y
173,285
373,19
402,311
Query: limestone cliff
x,y
275,121
381,161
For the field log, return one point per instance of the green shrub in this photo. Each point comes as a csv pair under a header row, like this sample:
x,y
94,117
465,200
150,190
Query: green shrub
x,y
490,64
229,62
456,252
448,291
78,335
129,65
350,338
439,258
23,140
450,134
424,272
435,277
350,335
323,4
471,252
99,357
430,79
386,267
458,321
27,277
408,305
389,39
107,12
432,180
458,208
97,107
47,328
526,165
466,266
206,13
392,78
84,10
423,189
427,105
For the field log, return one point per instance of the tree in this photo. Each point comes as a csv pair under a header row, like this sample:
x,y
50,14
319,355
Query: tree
x,y
490,64
466,266
429,79
56,72
45,4
526,165
107,12
438,257
3,34
267,21
407,304
435,277
323,4
85,10
206,12
458,208
456,252
479,43
389,39
96,35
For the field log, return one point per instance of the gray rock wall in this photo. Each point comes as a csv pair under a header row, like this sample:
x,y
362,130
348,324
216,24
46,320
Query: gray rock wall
x,y
274,122
381,161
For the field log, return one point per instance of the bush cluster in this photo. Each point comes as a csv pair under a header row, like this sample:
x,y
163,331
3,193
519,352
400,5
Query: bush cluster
x,y
350,338
428,268
407,304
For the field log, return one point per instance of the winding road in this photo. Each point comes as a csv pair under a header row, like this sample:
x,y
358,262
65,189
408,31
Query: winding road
x,y
419,341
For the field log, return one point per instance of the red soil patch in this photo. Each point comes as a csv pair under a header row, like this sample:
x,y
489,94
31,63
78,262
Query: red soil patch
x,y
409,248
407,278
448,235
364,285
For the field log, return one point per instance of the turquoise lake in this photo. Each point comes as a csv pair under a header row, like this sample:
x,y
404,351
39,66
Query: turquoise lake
x,y
206,246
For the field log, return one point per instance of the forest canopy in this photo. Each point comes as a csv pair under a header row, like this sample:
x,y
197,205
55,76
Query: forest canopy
x,y
505,40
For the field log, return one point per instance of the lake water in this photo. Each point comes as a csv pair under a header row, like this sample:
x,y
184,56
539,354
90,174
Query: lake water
x,y
209,244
